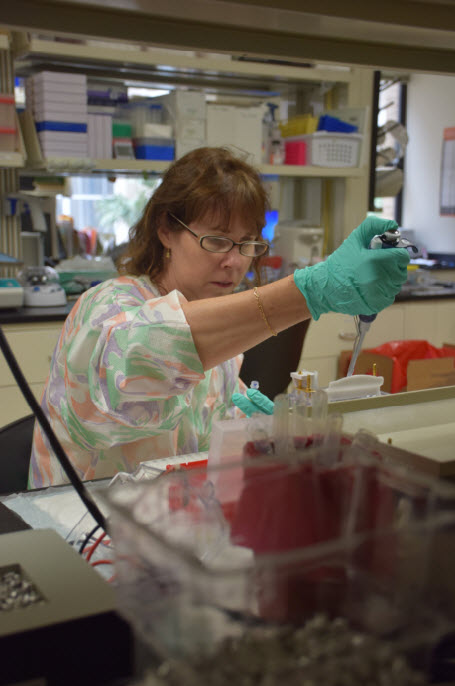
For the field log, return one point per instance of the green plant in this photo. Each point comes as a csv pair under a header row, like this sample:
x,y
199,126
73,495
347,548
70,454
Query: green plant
x,y
121,207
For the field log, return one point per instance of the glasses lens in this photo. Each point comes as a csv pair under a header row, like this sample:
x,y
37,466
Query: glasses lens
x,y
254,249
216,244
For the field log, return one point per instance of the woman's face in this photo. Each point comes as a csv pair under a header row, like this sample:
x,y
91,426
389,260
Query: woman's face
x,y
197,273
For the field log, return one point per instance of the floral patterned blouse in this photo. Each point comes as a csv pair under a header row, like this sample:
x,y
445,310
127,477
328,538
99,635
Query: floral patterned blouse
x,y
126,384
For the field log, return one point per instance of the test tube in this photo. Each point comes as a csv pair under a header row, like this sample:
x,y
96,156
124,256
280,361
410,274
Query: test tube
x,y
328,455
281,424
319,416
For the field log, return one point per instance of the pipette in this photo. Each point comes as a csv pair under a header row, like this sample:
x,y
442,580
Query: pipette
x,y
362,323
389,239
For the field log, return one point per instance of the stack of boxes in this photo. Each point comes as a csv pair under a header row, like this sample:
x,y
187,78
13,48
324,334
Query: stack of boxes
x,y
99,142
122,132
59,105
152,140
100,108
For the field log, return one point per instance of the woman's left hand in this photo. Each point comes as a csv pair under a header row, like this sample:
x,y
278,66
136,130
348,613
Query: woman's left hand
x,y
254,402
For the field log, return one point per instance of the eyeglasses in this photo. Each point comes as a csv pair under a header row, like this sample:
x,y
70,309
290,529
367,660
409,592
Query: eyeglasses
x,y
224,244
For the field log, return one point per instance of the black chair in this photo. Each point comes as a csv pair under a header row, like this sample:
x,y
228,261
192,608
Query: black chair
x,y
272,361
15,449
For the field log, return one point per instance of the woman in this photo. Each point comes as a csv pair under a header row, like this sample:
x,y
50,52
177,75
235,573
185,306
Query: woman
x,y
147,361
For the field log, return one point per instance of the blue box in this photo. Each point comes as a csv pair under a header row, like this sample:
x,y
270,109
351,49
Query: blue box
x,y
154,152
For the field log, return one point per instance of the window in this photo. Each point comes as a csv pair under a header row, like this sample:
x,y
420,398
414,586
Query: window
x,y
389,143
109,206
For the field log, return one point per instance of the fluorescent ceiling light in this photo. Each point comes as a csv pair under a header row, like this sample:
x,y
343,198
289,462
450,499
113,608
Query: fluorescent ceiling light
x,y
145,92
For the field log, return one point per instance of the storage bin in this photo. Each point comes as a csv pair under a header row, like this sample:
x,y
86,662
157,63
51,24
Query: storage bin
x,y
154,148
295,152
328,123
326,149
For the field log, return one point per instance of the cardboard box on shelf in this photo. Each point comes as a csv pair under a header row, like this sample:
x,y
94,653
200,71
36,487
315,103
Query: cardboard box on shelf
x,y
186,105
431,373
239,127
189,134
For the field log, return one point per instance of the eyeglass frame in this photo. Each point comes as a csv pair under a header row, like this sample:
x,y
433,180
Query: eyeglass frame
x,y
226,238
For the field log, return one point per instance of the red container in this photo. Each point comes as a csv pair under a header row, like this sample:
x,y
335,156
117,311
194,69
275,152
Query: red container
x,y
295,152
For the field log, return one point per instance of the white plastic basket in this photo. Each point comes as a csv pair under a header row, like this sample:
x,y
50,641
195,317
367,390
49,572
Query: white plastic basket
x,y
327,149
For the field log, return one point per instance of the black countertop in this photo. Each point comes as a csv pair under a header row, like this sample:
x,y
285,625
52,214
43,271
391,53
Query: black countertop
x,y
439,291
25,315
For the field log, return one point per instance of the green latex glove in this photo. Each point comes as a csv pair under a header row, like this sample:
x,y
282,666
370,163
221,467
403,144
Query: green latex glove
x,y
255,402
354,280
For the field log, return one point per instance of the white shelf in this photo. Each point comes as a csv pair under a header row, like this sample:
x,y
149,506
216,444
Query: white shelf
x,y
104,56
267,169
148,166
4,41
78,166
311,172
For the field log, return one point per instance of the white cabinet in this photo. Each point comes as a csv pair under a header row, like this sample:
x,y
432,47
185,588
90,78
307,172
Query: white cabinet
x,y
32,345
433,321
430,320
446,322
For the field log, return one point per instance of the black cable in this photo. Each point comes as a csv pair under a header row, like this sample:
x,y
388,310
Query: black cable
x,y
62,457
87,538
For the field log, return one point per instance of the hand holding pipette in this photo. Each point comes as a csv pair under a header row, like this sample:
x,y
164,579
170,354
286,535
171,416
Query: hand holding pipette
x,y
389,239
355,280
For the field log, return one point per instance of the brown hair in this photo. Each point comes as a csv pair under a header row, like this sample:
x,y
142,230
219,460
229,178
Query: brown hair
x,y
205,180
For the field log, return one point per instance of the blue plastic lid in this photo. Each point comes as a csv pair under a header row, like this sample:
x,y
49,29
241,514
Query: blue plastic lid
x,y
328,123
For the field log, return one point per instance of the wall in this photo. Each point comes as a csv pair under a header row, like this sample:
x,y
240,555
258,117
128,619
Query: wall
x,y
431,108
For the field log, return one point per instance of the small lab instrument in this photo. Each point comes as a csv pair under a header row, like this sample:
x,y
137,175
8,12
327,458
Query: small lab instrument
x,y
41,287
388,239
298,243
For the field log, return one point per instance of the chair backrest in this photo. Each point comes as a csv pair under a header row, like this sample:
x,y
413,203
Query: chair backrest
x,y
272,361
15,449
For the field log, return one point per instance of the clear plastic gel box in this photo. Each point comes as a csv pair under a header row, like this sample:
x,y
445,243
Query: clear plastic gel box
x,y
197,563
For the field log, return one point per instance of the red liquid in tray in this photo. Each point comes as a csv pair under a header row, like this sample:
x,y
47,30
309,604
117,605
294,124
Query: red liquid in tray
x,y
282,508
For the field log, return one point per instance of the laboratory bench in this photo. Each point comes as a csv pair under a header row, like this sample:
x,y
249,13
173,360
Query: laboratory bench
x,y
32,333
442,286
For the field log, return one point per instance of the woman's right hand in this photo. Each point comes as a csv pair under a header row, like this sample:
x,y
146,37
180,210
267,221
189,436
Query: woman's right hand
x,y
355,280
